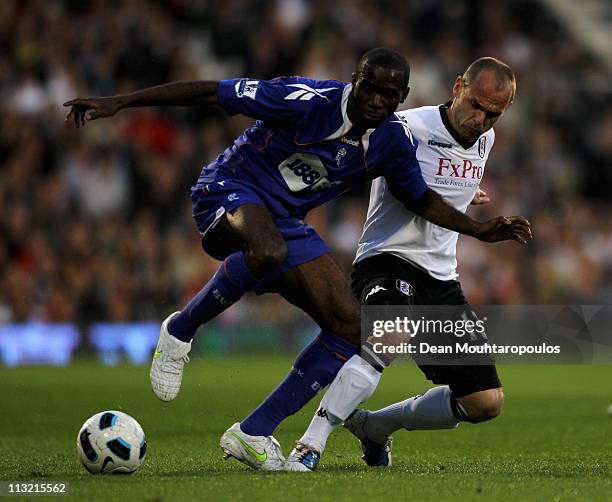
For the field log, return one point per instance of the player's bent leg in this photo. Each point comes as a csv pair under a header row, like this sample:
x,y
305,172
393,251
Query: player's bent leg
x,y
259,452
319,361
483,405
264,250
261,250
169,359
431,410
316,366
322,290
355,383
264,246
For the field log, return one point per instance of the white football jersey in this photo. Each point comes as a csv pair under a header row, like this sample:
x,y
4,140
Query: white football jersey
x,y
452,168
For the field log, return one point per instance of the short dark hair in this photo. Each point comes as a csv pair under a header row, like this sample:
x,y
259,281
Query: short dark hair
x,y
503,72
383,57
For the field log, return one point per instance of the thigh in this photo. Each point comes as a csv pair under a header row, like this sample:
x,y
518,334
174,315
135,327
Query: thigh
x,y
249,227
231,217
321,289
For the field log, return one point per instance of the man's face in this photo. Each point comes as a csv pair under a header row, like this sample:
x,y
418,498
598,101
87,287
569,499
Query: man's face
x,y
376,94
476,107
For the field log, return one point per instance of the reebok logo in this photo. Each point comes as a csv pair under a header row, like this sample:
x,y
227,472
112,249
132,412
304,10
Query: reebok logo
x,y
375,290
352,142
433,142
306,93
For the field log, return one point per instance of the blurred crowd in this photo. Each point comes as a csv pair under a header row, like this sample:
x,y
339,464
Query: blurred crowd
x,y
95,223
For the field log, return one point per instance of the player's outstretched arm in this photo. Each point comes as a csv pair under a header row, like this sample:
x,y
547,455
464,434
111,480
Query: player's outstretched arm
x,y
432,207
173,94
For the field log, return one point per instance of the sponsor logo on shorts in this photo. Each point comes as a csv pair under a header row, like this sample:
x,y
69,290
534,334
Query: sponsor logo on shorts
x,y
321,412
375,290
233,196
403,287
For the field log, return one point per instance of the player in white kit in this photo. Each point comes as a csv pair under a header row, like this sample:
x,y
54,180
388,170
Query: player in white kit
x,y
403,259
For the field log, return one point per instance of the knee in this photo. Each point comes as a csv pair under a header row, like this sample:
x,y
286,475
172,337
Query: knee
x,y
267,256
483,406
347,325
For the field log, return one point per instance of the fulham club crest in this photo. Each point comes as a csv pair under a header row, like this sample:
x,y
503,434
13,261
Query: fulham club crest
x,y
482,146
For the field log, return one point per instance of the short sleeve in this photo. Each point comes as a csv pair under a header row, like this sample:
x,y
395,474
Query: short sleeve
x,y
404,177
259,99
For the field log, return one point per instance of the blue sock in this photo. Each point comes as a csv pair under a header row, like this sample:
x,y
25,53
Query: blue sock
x,y
230,282
315,368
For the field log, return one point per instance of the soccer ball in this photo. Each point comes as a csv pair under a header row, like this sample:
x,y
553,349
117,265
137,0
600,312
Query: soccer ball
x,y
111,442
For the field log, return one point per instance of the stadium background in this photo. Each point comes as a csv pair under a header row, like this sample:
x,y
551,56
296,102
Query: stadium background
x,y
95,223
97,243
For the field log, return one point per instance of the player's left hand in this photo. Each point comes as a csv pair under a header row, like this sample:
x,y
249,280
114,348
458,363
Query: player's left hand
x,y
480,197
505,228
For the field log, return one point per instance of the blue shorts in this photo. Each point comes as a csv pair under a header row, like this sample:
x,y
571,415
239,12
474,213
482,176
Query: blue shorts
x,y
211,201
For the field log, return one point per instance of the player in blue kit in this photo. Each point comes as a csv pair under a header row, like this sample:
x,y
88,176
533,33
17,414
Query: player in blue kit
x,y
312,141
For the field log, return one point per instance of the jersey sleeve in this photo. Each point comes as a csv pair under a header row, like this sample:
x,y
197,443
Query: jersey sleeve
x,y
404,177
260,99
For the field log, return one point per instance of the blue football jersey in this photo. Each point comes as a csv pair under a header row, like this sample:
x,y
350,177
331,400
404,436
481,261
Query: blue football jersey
x,y
303,150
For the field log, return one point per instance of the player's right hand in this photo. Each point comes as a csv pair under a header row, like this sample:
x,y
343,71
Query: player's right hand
x,y
86,109
505,228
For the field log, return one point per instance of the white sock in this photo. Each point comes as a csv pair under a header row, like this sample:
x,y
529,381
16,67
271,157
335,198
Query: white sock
x,y
319,430
431,410
354,383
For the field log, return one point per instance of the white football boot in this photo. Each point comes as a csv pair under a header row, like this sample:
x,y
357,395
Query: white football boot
x,y
259,452
168,361
303,458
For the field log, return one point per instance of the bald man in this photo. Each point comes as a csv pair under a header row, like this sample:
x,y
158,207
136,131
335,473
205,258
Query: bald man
x,y
404,260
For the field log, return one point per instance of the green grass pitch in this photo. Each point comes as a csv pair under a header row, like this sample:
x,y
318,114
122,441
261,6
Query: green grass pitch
x,y
552,442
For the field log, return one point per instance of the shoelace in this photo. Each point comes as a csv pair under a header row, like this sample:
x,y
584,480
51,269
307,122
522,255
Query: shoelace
x,y
275,445
174,365
305,450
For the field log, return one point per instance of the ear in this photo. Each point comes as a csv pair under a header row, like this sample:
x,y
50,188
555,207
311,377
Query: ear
x,y
405,94
457,86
